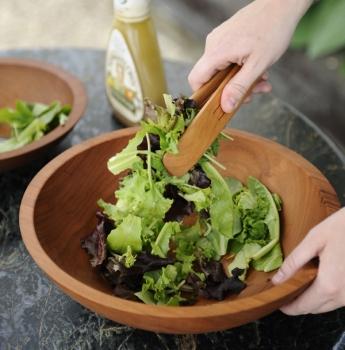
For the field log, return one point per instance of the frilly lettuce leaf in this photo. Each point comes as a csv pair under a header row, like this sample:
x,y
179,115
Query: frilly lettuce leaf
x,y
136,197
261,229
128,258
186,241
162,286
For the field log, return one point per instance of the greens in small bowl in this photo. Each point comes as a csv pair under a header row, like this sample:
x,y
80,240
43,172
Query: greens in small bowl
x,y
172,240
29,122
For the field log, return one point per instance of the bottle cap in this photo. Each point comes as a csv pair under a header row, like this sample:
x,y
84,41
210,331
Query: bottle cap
x,y
131,10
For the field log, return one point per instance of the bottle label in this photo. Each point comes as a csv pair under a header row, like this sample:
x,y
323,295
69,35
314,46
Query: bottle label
x,y
122,80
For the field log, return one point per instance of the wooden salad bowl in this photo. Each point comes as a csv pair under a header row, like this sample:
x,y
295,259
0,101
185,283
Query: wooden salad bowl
x,y
59,206
36,81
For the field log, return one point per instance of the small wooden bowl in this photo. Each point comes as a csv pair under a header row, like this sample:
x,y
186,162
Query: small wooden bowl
x,y
58,209
36,81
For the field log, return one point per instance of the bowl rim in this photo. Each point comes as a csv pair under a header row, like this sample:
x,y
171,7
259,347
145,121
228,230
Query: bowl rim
x,y
78,106
77,289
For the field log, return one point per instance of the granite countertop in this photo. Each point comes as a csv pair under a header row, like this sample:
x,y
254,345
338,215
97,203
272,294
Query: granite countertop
x,y
35,314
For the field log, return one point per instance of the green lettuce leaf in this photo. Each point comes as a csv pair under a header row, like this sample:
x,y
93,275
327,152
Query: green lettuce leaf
x,y
219,243
200,197
186,240
221,209
168,124
128,157
271,218
162,287
260,234
128,233
160,246
271,261
128,258
235,185
243,258
170,105
30,122
136,197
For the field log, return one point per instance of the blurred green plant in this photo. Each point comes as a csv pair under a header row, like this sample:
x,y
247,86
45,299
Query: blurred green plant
x,y
322,30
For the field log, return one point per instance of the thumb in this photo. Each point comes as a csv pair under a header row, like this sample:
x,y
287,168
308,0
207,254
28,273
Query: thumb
x,y
239,85
309,248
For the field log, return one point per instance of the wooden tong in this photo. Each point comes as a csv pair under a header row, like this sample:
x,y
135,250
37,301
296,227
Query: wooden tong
x,y
206,126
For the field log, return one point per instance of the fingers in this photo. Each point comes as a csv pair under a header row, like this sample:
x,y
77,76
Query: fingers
x,y
310,247
262,87
239,85
247,99
207,66
313,300
204,70
327,291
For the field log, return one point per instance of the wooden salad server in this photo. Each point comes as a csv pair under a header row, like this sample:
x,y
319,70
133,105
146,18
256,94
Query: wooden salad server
x,y
206,126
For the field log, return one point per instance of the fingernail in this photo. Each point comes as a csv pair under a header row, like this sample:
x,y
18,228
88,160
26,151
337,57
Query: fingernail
x,y
278,277
230,105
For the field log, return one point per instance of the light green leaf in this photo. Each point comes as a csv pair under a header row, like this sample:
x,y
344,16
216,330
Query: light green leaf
x,y
235,186
169,103
161,245
221,209
243,258
128,233
27,124
271,219
162,287
128,258
219,243
271,261
128,157
38,109
186,240
200,198
145,296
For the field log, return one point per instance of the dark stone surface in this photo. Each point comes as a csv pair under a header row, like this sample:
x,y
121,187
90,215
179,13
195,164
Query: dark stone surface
x,y
34,314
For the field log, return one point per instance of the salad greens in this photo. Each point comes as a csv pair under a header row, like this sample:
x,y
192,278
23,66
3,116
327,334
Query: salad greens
x,y
170,240
29,122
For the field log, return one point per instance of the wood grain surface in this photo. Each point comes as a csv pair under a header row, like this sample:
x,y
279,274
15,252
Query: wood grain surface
x,y
58,209
35,81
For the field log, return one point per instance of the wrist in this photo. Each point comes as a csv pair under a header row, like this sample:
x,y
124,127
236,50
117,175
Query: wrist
x,y
291,11
296,8
301,6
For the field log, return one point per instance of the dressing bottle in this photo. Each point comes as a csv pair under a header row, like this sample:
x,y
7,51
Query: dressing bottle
x,y
134,68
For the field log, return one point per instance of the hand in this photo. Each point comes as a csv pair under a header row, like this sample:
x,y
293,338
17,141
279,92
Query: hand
x,y
327,292
255,37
